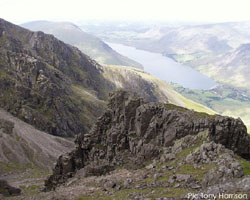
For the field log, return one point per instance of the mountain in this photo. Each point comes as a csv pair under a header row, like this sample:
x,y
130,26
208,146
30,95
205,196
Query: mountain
x,y
47,83
137,147
140,145
27,155
220,51
191,40
56,88
230,68
198,40
24,147
217,50
87,43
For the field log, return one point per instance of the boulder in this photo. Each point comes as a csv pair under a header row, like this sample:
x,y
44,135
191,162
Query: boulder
x,y
227,168
7,190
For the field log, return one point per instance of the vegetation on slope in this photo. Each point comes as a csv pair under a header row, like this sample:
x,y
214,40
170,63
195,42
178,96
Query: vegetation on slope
x,y
157,179
224,100
130,78
38,78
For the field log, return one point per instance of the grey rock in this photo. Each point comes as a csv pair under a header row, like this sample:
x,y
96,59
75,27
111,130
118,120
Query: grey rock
x,y
127,183
227,168
133,132
6,126
206,153
157,175
172,179
109,184
8,190
242,185
151,166
184,178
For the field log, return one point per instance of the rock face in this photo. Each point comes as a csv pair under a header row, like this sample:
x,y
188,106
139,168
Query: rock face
x,y
133,131
48,83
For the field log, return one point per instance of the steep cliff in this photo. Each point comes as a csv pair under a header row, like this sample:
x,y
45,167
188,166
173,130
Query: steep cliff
x,y
47,83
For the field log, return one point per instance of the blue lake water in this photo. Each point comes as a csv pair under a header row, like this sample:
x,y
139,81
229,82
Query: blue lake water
x,y
165,68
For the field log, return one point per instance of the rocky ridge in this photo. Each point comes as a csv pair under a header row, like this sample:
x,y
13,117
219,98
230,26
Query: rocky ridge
x,y
132,133
48,83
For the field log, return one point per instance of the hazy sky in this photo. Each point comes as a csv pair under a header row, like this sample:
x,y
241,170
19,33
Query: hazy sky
x,y
19,11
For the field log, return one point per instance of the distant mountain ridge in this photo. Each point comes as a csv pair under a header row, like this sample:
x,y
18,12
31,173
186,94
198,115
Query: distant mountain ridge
x,y
220,51
87,43
231,68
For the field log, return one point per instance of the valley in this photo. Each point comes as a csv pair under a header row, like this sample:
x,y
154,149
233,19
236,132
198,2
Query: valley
x,y
45,94
105,104
217,51
166,69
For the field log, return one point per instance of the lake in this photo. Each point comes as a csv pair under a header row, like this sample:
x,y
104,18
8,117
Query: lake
x,y
165,68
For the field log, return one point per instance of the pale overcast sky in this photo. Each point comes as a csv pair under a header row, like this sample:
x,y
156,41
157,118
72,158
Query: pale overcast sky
x,y
19,11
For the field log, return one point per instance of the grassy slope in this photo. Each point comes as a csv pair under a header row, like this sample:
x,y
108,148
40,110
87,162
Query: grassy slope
x,y
225,101
201,101
161,88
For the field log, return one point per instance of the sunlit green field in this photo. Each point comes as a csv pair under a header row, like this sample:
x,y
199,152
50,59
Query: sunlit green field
x,y
224,100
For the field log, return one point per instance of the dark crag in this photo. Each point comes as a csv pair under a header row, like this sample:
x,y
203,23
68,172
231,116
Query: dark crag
x,y
132,132
40,77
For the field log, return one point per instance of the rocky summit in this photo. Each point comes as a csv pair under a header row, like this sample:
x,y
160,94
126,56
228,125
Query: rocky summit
x,y
166,151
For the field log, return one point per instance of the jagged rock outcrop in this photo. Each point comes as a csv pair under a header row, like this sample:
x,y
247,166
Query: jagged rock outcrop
x,y
133,131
